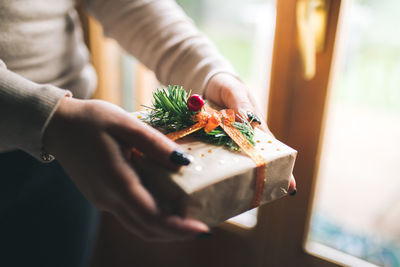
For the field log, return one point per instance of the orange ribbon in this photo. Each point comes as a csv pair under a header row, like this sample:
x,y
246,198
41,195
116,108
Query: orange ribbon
x,y
209,120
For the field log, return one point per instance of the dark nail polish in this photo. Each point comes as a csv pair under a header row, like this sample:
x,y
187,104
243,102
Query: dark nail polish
x,y
293,192
180,158
203,235
253,117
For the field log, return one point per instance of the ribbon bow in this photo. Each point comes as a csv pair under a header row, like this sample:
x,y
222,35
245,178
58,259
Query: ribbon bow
x,y
211,119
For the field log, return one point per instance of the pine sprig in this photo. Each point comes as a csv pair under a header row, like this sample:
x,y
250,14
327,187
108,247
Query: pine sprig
x,y
170,113
219,137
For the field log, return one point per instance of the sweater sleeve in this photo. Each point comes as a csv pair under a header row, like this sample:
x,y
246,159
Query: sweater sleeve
x,y
162,37
25,110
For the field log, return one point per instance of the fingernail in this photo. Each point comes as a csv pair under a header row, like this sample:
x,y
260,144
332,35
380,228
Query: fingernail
x,y
253,117
293,192
180,158
203,235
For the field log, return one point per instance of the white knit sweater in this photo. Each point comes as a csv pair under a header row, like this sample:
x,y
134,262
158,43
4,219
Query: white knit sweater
x,y
41,51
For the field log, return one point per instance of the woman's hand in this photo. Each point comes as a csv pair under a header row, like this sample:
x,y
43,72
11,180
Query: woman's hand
x,y
92,140
227,91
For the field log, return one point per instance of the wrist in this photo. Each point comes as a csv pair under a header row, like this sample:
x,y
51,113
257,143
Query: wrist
x,y
56,124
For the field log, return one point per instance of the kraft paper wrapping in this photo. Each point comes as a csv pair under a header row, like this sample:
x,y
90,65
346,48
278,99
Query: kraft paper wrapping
x,y
219,183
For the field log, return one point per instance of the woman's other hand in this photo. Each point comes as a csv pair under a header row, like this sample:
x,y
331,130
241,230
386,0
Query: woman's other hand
x,y
92,140
227,91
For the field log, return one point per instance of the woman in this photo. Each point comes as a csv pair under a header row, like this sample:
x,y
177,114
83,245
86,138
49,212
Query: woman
x,y
43,215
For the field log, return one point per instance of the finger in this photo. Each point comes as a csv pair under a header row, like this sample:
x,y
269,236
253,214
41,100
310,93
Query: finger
x,y
231,92
263,126
148,232
255,119
292,186
142,209
142,206
246,106
152,143
185,227
141,229
136,228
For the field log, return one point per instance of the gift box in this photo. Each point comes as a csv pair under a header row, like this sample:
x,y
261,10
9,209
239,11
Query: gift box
x,y
219,183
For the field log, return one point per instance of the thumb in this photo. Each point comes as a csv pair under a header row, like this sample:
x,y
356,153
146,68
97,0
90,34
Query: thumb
x,y
252,114
152,144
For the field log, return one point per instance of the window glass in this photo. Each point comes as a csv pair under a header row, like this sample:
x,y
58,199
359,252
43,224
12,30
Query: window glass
x,y
357,205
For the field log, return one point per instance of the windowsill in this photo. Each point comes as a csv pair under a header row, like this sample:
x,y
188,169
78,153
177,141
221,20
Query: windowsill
x,y
245,220
333,255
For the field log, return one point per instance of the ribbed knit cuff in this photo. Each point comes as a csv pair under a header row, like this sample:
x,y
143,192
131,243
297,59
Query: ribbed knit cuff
x,y
25,110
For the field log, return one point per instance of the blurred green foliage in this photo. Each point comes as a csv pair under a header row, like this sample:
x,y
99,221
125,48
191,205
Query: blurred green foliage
x,y
238,50
236,46
371,72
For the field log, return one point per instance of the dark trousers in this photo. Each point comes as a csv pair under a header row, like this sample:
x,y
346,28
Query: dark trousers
x,y
44,219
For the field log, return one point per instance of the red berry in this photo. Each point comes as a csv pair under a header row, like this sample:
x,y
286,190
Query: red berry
x,y
195,102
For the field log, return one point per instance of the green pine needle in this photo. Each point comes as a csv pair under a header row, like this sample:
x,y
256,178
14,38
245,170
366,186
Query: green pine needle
x,y
170,113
